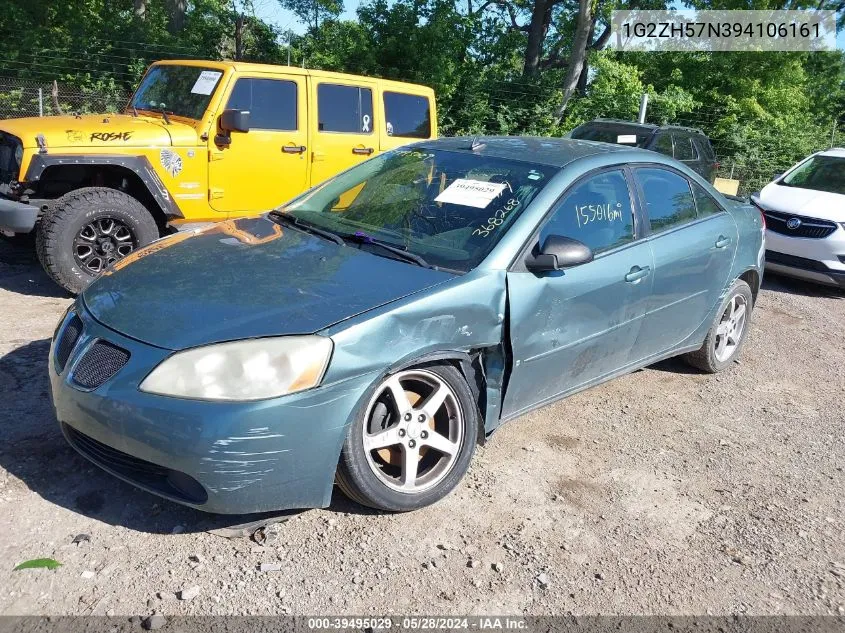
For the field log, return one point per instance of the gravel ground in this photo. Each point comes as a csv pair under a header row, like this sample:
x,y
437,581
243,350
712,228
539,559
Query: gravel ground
x,y
663,492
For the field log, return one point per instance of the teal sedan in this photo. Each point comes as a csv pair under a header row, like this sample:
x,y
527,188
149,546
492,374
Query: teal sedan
x,y
374,330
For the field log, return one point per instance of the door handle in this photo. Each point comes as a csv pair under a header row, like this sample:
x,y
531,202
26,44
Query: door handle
x,y
636,273
366,151
722,241
293,149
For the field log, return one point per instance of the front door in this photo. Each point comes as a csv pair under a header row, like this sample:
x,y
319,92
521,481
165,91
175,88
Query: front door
x,y
260,169
694,241
346,131
575,326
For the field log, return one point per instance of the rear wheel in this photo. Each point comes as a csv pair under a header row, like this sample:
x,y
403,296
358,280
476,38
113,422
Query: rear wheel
x,y
412,442
87,230
728,332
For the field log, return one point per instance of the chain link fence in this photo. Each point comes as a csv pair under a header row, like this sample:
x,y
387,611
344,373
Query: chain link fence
x,y
24,98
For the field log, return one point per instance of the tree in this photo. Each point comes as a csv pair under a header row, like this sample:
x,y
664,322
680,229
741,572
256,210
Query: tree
x,y
312,13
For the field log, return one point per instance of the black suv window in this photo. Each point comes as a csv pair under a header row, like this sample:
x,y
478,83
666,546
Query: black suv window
x,y
662,143
346,109
667,196
407,115
597,212
271,102
704,148
684,149
704,202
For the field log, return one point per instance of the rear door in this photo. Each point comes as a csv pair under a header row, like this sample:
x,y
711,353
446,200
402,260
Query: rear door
x,y
346,125
408,117
694,242
260,169
572,327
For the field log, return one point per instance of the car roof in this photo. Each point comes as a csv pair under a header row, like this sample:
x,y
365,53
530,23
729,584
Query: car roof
x,y
554,152
839,152
645,126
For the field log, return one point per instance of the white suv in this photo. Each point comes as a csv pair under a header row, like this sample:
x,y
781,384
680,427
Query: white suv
x,y
805,219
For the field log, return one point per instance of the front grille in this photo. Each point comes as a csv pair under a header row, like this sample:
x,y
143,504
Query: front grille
x,y
795,262
171,483
100,362
67,341
809,227
8,164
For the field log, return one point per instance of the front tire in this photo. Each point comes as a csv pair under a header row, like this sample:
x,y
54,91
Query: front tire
x,y
87,230
728,333
412,441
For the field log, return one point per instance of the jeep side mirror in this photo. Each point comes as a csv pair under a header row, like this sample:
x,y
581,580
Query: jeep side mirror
x,y
557,253
234,121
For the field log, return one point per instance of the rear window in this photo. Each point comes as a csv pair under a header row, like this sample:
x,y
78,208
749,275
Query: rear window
x,y
820,173
407,115
684,149
346,109
619,134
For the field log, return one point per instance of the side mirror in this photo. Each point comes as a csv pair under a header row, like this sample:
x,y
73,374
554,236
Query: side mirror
x,y
558,252
234,121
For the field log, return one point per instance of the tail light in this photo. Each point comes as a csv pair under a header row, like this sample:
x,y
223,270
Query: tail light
x,y
756,203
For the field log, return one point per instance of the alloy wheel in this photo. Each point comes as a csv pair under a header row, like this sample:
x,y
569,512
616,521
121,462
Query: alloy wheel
x,y
102,242
413,431
731,328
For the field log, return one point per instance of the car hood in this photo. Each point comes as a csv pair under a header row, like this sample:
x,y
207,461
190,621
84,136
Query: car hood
x,y
243,279
101,131
806,202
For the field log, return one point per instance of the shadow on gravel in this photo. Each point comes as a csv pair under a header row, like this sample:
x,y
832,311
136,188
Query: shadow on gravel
x,y
33,449
21,273
799,287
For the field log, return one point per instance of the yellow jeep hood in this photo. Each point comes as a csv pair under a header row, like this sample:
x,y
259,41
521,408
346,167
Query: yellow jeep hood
x,y
107,131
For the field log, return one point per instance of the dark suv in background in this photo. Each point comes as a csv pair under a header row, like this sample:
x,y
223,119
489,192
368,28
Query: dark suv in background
x,y
686,144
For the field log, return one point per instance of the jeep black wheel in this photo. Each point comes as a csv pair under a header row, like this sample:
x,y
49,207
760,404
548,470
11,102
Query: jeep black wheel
x,y
87,230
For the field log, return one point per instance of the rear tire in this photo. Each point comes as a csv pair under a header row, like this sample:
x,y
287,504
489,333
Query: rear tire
x,y
87,230
409,451
727,333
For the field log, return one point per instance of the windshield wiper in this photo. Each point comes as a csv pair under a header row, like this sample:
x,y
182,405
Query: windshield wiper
x,y
359,237
284,218
163,114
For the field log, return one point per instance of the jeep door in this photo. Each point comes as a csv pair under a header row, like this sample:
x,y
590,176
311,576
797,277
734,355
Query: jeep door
x,y
258,170
345,119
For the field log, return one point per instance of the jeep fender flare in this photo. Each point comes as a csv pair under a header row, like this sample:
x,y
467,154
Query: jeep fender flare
x,y
139,165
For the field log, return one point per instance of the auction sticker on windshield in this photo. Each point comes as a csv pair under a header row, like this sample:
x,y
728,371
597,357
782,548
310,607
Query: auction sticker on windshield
x,y
205,82
471,193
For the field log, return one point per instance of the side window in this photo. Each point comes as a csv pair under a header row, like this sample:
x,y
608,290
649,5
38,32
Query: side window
x,y
704,148
662,144
704,202
596,212
667,196
684,149
271,103
346,109
407,115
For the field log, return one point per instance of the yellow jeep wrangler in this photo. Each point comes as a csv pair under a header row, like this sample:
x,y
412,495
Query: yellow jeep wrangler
x,y
200,141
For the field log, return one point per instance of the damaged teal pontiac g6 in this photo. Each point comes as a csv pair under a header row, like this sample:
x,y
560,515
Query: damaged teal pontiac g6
x,y
373,330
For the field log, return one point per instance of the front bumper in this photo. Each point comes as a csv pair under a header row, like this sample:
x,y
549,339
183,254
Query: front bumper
x,y
17,217
229,458
816,260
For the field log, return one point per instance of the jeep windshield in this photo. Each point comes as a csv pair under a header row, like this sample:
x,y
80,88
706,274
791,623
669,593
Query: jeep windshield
x,y
182,91
447,209
820,173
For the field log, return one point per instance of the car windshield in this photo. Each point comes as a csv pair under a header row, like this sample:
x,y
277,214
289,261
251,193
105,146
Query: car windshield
x,y
448,208
179,90
820,173
612,133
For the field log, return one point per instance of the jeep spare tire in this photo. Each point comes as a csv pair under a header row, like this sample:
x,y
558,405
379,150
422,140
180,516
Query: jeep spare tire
x,y
86,230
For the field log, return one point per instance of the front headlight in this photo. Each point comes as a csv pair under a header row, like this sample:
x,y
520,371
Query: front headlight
x,y
18,154
253,369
